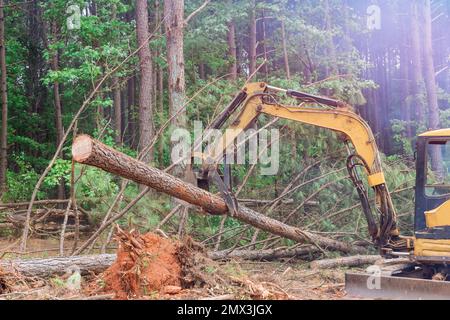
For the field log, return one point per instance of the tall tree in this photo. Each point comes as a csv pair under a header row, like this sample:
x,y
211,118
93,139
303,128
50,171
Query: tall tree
x,y
4,131
131,93
232,54
252,38
404,75
285,51
430,81
146,83
416,66
57,105
160,76
174,24
117,102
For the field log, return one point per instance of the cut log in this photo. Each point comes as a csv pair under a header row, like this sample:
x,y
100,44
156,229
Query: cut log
x,y
88,151
49,267
45,268
353,261
263,254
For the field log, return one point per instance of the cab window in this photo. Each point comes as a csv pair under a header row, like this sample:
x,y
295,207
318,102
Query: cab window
x,y
438,168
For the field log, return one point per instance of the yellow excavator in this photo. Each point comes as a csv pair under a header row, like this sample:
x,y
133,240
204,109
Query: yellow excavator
x,y
425,255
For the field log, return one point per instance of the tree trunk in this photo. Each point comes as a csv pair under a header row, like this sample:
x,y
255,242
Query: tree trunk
x,y
45,268
404,75
416,83
232,54
117,100
354,261
4,131
49,267
273,254
131,92
161,111
252,40
58,108
160,86
146,85
88,151
174,24
430,84
264,46
285,52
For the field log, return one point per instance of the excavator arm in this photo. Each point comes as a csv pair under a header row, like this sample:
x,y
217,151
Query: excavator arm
x,y
260,98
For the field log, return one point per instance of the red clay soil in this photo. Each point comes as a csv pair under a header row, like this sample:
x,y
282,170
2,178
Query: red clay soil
x,y
145,264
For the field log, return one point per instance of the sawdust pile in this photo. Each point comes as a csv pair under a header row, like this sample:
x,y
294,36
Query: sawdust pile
x,y
149,265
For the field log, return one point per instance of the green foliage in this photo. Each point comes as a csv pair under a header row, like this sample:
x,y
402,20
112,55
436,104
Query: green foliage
x,y
21,182
399,129
60,170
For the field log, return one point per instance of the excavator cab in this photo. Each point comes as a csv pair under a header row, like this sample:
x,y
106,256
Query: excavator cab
x,y
432,194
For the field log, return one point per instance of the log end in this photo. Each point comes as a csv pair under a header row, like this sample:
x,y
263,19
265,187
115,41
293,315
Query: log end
x,y
82,148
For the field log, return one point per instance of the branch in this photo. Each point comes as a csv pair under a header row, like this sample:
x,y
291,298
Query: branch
x,y
442,70
186,21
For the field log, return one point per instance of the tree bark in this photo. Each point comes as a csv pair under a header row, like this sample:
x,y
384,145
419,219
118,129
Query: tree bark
x,y
4,130
232,54
88,151
146,83
353,261
174,25
45,268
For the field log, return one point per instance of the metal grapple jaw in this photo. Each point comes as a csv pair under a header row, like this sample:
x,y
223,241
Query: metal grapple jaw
x,y
208,176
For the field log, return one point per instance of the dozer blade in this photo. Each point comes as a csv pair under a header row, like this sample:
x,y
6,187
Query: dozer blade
x,y
361,285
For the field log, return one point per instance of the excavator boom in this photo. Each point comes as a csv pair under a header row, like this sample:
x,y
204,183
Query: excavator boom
x,y
259,98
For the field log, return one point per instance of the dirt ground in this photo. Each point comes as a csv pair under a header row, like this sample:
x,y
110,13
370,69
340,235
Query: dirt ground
x,y
290,279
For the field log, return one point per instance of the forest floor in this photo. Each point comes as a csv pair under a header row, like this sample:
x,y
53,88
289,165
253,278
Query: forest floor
x,y
289,279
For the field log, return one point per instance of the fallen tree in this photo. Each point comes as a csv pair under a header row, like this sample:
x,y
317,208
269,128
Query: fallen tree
x,y
273,254
353,261
86,150
57,266
48,267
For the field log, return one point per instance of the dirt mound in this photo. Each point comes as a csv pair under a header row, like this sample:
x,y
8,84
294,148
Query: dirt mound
x,y
149,266
145,264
